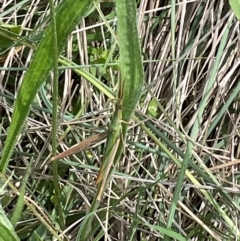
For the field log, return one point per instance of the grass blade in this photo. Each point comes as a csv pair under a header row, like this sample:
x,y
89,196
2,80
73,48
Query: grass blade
x,y
55,115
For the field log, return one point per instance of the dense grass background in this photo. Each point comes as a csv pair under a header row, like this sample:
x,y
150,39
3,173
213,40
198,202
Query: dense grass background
x,y
187,118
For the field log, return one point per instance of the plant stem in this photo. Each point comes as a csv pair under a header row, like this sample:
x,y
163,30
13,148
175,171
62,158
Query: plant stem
x,y
55,115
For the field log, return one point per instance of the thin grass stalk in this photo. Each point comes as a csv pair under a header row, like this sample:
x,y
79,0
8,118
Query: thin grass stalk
x,y
173,41
55,115
20,202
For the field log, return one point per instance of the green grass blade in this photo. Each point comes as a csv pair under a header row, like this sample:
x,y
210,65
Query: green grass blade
x,y
68,15
55,115
130,56
6,230
168,233
20,202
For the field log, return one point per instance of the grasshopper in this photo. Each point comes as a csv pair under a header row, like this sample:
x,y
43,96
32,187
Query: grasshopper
x,y
113,141
111,155
114,136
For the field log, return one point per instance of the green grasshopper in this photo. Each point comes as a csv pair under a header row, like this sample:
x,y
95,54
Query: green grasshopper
x,y
114,136
113,141
110,158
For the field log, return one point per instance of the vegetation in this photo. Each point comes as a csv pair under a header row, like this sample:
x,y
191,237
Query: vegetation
x,y
167,95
